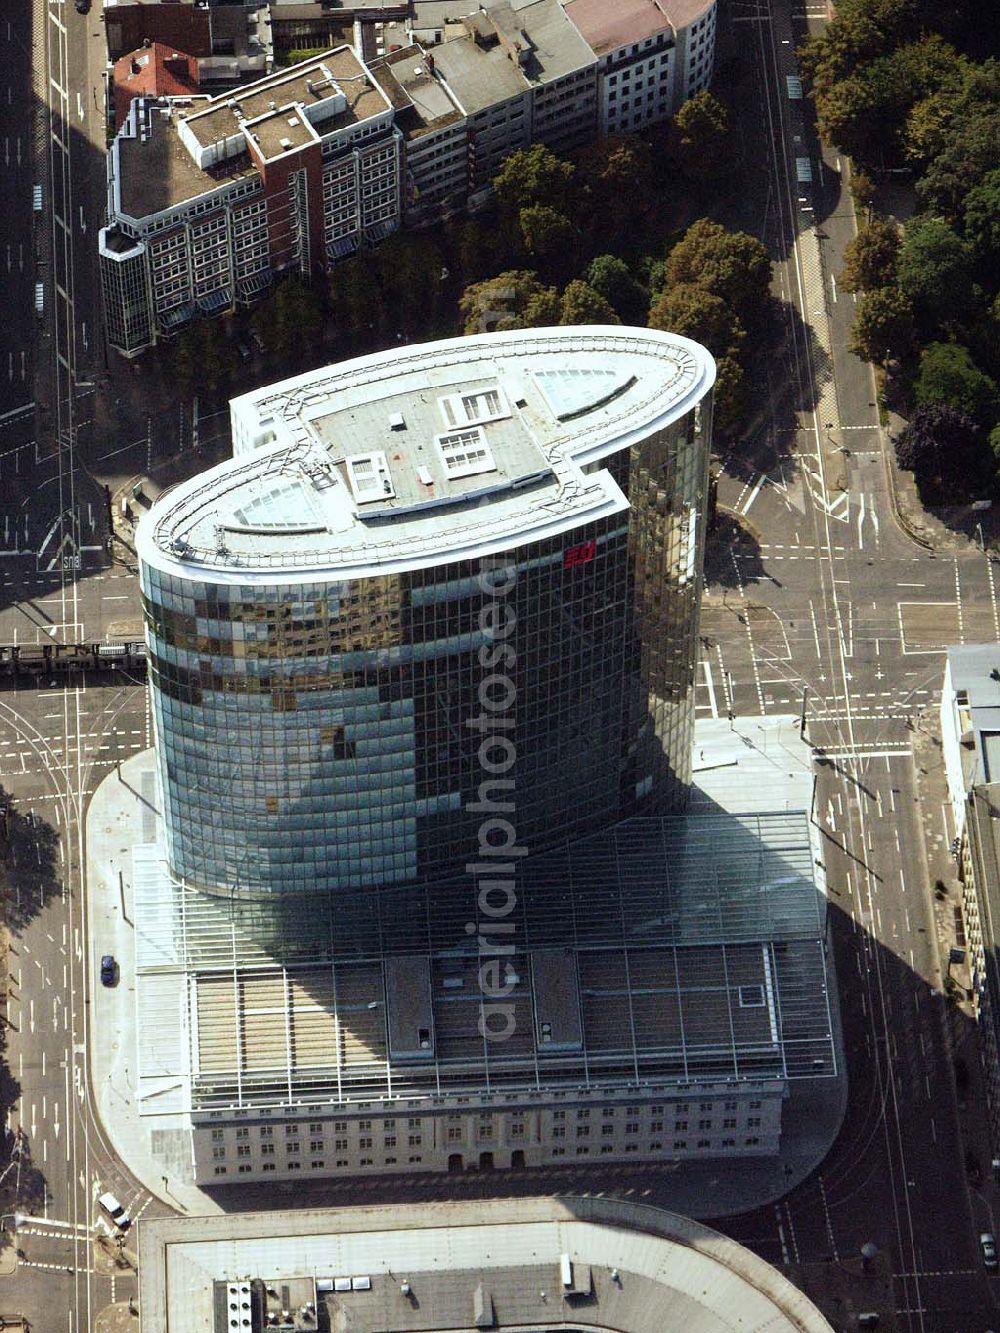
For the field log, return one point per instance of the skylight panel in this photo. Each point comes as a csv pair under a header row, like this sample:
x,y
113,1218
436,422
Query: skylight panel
x,y
465,453
575,390
281,507
475,407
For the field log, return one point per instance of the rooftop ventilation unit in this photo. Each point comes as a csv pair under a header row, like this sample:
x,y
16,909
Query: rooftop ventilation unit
x,y
397,421
369,477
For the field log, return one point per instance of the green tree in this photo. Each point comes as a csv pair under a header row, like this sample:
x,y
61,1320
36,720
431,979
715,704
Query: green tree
x,y
355,299
204,358
290,322
982,224
580,304
613,278
410,267
695,312
883,322
863,190
702,136
946,454
616,188
546,233
958,160
475,251
534,176
730,396
947,374
934,270
870,257
512,300
732,264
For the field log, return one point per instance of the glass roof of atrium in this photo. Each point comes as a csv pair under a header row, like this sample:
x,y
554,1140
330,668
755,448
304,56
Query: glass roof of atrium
x,y
572,391
283,506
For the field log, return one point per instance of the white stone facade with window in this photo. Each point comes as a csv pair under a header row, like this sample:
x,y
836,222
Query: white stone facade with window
x,y
503,1133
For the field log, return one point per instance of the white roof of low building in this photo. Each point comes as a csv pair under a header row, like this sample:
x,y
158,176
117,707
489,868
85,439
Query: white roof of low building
x,y
327,482
430,1266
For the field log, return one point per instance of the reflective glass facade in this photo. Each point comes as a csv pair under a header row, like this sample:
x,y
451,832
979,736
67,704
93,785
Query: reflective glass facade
x,y
327,735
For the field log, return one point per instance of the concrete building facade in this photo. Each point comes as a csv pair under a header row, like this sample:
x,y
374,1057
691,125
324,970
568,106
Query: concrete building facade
x,y
209,200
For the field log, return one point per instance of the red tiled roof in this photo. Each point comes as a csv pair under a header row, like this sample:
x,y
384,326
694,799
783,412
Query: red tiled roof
x,y
152,71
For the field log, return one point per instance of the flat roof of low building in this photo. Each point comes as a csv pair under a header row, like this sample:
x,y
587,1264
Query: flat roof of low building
x,y
156,171
608,27
307,84
425,455
975,680
410,83
674,949
504,1264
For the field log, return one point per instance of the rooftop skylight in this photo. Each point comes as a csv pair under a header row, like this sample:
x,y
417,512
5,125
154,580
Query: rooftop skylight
x,y
465,453
575,390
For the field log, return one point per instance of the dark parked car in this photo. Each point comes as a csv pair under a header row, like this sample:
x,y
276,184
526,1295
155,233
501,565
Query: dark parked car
x,y
988,1246
108,970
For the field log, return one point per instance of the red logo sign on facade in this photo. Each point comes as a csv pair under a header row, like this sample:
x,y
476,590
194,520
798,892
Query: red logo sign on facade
x,y
579,555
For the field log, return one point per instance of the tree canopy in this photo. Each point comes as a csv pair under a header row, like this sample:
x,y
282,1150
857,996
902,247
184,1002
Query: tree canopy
x,y
870,257
695,312
534,176
613,278
515,299
731,264
883,324
934,270
947,374
945,452
581,304
701,136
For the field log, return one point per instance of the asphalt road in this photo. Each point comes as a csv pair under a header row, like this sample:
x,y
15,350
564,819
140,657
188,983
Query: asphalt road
x,y
822,605
17,256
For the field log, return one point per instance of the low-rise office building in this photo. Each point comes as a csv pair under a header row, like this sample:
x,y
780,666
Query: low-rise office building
x,y
665,986
209,199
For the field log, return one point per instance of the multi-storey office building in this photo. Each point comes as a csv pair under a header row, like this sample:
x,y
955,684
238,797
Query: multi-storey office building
x,y
318,608
652,55
208,200
439,609
469,91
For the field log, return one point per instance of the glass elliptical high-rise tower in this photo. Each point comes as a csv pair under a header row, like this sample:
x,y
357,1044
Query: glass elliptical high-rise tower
x,y
315,606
